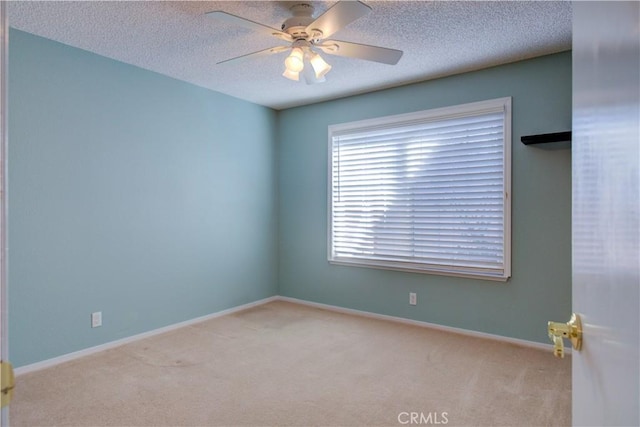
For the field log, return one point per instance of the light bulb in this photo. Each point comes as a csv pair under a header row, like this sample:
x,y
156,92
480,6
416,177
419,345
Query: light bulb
x,y
294,61
319,65
292,75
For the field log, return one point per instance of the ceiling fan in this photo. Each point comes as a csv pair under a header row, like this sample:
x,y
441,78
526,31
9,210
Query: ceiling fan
x,y
308,35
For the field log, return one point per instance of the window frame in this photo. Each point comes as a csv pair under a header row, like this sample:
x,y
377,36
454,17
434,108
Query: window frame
x,y
442,113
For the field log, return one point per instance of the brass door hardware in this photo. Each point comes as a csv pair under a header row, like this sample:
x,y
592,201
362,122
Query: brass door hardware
x,y
571,330
7,383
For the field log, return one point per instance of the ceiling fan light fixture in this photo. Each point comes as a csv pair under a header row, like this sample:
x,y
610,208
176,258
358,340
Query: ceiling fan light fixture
x,y
295,60
319,65
291,75
305,33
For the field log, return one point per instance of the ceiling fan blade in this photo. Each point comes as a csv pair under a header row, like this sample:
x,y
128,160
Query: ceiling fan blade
x,y
259,53
337,17
361,51
242,22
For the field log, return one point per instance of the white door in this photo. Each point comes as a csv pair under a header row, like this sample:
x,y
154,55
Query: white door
x,y
606,211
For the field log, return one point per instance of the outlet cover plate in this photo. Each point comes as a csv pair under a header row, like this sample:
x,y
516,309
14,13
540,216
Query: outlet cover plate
x,y
96,319
413,298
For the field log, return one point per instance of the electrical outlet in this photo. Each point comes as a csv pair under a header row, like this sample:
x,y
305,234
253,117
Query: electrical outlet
x,y
96,319
413,298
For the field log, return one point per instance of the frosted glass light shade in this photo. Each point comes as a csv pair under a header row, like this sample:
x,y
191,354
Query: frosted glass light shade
x,y
292,75
294,61
319,65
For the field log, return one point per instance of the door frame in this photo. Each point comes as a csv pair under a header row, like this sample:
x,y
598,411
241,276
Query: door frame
x,y
4,49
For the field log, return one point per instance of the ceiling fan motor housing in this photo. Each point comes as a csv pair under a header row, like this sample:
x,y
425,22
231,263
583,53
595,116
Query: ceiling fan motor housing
x,y
296,25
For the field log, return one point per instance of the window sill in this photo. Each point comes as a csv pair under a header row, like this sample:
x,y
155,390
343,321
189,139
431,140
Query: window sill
x,y
414,268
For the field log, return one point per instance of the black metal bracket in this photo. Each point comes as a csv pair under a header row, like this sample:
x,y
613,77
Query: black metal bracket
x,y
546,137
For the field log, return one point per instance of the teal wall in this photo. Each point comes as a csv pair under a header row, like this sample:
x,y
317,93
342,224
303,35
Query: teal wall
x,y
156,201
540,287
131,193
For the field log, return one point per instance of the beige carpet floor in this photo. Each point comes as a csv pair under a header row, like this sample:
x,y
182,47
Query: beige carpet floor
x,y
284,364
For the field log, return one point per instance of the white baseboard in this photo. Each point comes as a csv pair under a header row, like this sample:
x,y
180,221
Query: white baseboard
x,y
467,332
81,353
91,350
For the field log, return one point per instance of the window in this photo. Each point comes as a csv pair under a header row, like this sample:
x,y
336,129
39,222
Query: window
x,y
426,191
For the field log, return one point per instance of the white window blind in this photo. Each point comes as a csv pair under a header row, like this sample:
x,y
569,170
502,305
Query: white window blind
x,y
427,191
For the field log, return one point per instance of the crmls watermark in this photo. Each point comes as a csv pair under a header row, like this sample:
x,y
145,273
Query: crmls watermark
x,y
423,418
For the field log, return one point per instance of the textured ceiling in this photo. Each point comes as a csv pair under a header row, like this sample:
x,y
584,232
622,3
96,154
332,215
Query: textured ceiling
x,y
176,39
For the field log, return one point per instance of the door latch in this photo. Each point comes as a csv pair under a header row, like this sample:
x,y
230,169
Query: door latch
x,y
571,330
